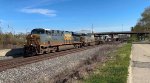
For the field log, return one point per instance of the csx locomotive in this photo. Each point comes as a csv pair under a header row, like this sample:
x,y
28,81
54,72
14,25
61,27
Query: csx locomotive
x,y
42,41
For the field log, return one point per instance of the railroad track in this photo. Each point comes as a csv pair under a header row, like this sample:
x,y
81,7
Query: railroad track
x,y
17,62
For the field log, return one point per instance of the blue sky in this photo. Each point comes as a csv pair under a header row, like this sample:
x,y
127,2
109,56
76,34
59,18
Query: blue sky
x,y
72,15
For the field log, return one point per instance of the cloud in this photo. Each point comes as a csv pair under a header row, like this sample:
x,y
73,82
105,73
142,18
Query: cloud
x,y
32,8
38,3
46,12
2,21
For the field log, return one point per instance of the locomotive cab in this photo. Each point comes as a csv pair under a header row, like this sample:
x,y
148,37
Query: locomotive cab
x,y
32,47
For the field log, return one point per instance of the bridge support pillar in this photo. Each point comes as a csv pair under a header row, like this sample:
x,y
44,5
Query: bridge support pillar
x,y
112,36
141,36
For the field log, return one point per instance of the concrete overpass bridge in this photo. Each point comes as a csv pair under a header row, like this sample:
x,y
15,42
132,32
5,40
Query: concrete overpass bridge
x,y
123,32
140,34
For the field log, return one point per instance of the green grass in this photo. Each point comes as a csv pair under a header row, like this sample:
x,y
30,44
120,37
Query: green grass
x,y
114,70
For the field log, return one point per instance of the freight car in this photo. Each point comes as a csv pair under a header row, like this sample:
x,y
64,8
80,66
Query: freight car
x,y
42,41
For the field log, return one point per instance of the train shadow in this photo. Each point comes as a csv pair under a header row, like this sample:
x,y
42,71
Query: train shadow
x,y
14,53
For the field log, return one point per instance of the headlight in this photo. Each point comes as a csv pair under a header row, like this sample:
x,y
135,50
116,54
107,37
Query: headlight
x,y
31,36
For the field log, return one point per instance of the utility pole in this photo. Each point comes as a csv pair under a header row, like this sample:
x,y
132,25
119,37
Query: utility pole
x,y
0,28
92,29
1,35
122,27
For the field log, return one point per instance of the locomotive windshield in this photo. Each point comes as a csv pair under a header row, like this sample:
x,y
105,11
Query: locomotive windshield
x,y
38,31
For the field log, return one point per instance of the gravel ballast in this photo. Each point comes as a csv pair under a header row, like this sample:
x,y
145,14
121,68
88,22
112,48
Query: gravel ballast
x,y
45,71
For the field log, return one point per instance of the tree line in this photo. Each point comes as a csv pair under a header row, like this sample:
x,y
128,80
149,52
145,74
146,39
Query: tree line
x,y
144,22
10,40
143,25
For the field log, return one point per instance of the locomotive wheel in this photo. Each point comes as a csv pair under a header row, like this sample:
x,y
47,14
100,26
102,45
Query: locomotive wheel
x,y
57,49
46,51
81,45
54,49
31,51
49,50
76,46
89,44
34,51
